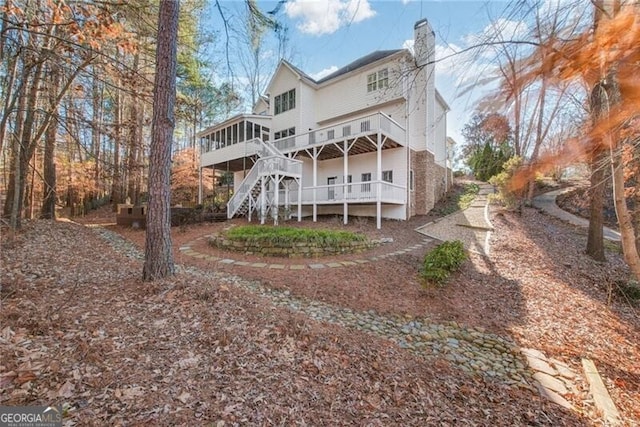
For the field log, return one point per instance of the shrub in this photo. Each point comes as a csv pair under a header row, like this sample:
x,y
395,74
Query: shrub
x,y
630,291
442,261
506,195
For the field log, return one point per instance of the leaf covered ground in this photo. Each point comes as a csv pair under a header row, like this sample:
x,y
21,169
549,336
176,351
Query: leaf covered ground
x,y
79,328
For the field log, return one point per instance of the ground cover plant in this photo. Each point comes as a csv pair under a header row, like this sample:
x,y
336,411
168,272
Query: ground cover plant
x,y
269,234
440,262
460,198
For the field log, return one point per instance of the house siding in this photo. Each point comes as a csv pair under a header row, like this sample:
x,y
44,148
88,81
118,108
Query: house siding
x,y
349,94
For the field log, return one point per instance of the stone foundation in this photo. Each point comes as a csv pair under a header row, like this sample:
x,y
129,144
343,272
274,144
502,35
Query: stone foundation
x,y
430,182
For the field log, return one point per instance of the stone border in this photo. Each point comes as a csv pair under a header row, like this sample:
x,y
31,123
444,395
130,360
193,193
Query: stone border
x,y
315,265
290,249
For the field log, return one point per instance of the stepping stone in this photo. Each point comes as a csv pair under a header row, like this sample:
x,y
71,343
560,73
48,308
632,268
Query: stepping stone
x,y
348,263
277,266
227,261
562,369
316,266
243,263
212,258
297,267
533,353
259,265
334,264
540,365
185,248
601,396
550,382
554,397
362,261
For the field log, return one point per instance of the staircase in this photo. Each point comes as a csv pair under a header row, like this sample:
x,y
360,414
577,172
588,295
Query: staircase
x,y
258,192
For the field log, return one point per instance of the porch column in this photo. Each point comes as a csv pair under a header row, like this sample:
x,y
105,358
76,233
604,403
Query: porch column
x,y
200,185
315,184
300,199
263,200
379,185
345,173
286,200
276,199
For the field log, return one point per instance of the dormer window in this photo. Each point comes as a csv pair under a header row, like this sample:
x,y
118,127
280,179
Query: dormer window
x,y
378,80
285,102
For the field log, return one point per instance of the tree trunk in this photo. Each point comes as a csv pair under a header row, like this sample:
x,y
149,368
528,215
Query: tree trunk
x,y
116,186
158,262
49,199
595,237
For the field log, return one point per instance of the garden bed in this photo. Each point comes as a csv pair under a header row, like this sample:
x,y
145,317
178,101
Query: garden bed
x,y
290,242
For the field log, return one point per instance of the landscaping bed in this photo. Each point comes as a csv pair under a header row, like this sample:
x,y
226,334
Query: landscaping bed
x,y
290,242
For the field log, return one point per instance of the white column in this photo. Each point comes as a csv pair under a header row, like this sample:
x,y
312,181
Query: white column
x,y
199,185
286,200
345,172
263,200
379,185
276,199
315,184
299,199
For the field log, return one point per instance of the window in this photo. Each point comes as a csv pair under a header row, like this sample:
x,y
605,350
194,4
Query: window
x,y
411,180
349,181
331,134
285,102
365,177
378,80
284,133
387,176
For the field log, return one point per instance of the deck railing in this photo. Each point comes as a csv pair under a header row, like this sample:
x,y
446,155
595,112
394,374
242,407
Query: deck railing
x,y
348,129
361,192
269,165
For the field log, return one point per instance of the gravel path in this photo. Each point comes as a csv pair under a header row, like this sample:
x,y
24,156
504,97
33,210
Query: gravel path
x,y
471,226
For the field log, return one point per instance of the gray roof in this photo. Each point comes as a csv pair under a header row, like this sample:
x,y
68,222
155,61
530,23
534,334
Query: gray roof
x,y
358,63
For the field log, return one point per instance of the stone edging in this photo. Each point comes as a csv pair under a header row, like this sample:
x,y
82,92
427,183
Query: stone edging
x,y
315,265
289,250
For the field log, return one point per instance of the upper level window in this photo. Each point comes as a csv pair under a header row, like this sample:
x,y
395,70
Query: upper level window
x,y
284,133
285,102
378,80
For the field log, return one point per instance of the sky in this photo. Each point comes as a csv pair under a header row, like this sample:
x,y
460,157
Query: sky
x,y
328,34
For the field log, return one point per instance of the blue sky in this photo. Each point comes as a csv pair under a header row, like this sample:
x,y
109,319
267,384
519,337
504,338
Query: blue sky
x,y
327,34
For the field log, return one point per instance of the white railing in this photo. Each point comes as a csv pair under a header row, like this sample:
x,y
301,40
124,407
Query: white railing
x,y
347,129
361,192
269,165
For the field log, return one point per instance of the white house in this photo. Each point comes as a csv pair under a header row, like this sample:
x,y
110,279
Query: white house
x,y
366,140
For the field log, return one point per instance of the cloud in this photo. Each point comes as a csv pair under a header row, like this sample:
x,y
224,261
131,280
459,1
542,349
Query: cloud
x,y
408,44
324,73
327,17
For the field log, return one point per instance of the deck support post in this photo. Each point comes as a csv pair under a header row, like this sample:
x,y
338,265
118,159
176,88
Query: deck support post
x,y
300,199
315,184
276,199
199,185
345,185
263,200
379,182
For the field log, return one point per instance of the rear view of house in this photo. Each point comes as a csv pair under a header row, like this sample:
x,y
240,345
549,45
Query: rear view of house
x,y
366,140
